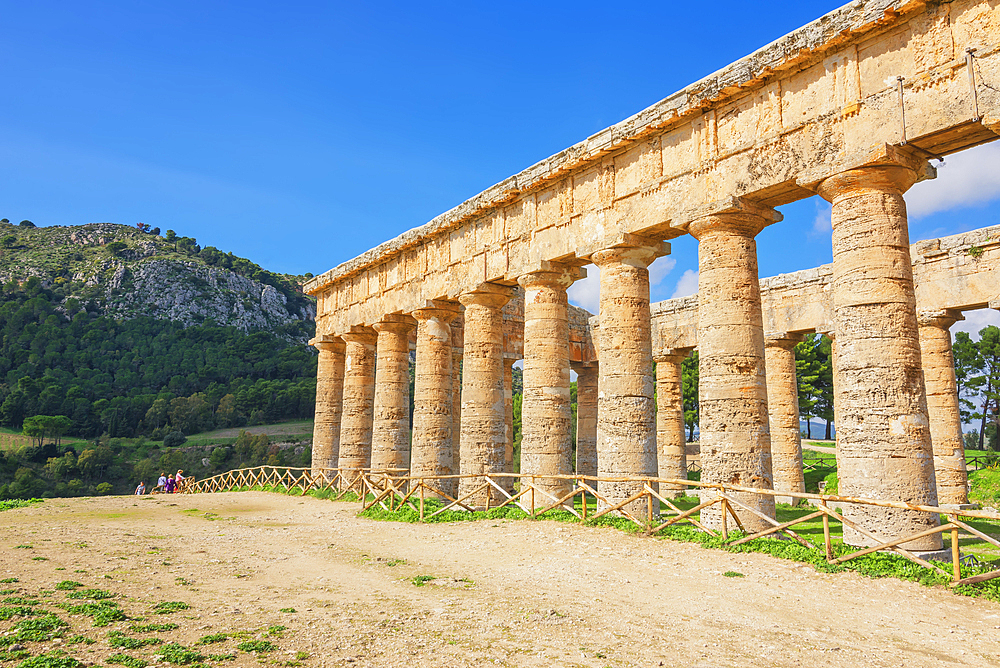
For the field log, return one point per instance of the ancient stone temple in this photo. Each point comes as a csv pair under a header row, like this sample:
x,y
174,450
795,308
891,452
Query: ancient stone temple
x,y
854,107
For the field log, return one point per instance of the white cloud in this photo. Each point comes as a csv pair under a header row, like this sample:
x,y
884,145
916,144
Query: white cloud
x,y
660,268
687,284
586,293
822,224
975,321
969,178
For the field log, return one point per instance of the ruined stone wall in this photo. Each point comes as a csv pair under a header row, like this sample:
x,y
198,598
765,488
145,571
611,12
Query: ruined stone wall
x,y
766,128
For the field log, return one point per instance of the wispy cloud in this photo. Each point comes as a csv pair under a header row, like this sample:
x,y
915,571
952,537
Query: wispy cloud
x,y
969,178
687,284
822,225
975,321
587,293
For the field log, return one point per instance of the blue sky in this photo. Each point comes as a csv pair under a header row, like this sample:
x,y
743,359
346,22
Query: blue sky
x,y
301,134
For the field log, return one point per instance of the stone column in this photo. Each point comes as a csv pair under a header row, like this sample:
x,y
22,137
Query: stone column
x,y
626,430
942,404
484,415
546,431
457,337
586,419
433,426
508,407
359,398
732,386
783,413
670,442
391,429
883,436
329,404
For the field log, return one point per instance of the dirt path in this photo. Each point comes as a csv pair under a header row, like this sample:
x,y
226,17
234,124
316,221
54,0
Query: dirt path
x,y
511,593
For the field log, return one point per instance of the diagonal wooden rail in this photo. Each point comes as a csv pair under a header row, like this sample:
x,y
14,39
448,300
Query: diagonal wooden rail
x,y
394,489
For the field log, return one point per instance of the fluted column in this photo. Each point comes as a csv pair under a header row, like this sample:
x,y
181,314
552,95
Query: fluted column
x,y
586,418
359,399
457,338
883,436
329,404
546,431
732,386
508,407
671,446
783,412
942,404
626,430
433,425
484,423
391,429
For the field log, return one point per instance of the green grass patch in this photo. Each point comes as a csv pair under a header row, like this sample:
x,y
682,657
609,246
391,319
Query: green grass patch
x,y
13,655
21,600
102,612
119,640
90,594
985,486
123,659
734,574
11,611
53,659
9,581
212,639
180,655
39,629
80,640
152,628
222,657
68,585
260,646
7,592
170,607
11,504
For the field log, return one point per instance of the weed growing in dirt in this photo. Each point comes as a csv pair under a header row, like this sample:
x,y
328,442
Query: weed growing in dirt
x,y
53,659
21,600
421,580
119,640
259,646
9,580
39,558
78,639
90,594
24,547
213,638
290,610
68,585
170,607
13,655
183,582
102,612
7,592
152,628
9,611
125,660
275,631
222,657
180,655
39,629
733,574
10,504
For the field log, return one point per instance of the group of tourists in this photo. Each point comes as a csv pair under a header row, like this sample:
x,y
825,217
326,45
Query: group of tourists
x,y
165,485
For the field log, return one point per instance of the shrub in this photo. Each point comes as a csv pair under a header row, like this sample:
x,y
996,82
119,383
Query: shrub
x,y
173,439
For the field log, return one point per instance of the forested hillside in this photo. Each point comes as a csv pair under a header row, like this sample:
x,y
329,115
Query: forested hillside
x,y
121,333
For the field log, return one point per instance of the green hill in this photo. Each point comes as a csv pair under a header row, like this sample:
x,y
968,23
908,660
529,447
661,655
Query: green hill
x,y
136,338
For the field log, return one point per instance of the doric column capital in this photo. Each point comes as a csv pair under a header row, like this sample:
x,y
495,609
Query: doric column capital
x,y
784,340
733,216
632,250
360,334
395,322
553,275
671,355
490,295
326,342
444,311
940,318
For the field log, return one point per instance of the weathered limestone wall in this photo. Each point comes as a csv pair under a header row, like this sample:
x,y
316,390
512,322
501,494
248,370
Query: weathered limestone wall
x,y
768,128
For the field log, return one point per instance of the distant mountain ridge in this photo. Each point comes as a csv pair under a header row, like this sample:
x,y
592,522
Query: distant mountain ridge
x,y
126,272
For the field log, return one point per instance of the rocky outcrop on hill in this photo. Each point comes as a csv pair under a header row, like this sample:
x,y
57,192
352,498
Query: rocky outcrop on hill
x,y
125,272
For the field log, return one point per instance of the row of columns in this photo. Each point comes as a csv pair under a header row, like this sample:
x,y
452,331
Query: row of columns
x,y
884,433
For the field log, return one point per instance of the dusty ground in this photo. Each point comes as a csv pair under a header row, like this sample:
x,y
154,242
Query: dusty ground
x,y
511,593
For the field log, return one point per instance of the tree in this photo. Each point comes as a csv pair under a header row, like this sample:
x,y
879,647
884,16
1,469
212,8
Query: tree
x,y
4,221
104,489
8,241
814,374
155,231
989,383
174,439
26,223
689,385
968,364
170,235
116,248
40,427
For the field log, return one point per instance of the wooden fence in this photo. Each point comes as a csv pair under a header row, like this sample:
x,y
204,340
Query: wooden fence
x,y
393,489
